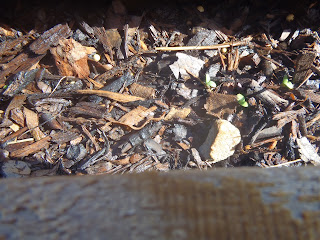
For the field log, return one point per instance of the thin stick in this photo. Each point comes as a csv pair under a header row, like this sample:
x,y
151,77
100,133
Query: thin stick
x,y
306,79
85,130
284,164
21,141
211,47
271,60
222,60
57,85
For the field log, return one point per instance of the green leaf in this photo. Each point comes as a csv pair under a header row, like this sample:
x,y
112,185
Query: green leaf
x,y
286,82
241,100
289,85
211,84
245,104
207,78
240,97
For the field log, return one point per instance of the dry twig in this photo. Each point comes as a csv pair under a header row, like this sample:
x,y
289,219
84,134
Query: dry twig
x,y
216,46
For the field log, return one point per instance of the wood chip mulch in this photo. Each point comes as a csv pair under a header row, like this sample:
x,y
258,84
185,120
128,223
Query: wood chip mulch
x,y
128,88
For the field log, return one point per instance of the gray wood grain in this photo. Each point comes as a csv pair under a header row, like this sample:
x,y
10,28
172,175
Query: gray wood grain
x,y
237,203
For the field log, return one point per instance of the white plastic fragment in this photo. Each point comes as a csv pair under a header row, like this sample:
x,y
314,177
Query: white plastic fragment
x,y
221,141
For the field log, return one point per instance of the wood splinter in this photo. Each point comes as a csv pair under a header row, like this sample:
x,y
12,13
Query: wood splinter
x,y
211,47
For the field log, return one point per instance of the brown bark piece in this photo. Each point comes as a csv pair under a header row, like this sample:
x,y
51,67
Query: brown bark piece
x,y
303,65
32,148
17,116
71,58
25,61
177,113
14,135
108,38
32,121
268,96
63,137
88,109
14,46
314,97
4,133
19,82
16,102
285,117
218,104
50,38
142,91
112,95
134,117
22,62
17,145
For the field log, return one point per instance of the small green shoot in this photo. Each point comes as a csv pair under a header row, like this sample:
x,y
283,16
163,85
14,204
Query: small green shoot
x,y
209,83
286,82
241,100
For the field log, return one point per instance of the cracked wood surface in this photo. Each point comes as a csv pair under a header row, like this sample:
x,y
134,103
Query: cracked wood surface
x,y
219,204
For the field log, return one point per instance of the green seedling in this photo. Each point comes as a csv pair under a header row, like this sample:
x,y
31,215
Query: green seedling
x,y
286,82
209,83
241,100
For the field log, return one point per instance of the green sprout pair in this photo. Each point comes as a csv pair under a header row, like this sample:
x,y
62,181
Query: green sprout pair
x,y
286,82
209,83
242,100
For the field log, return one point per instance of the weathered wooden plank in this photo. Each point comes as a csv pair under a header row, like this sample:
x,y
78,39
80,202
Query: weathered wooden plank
x,y
219,204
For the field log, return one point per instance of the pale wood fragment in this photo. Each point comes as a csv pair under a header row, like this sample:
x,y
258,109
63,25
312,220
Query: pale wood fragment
x,y
71,58
32,121
112,95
